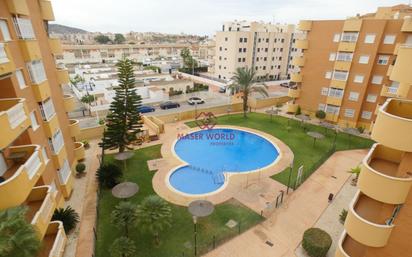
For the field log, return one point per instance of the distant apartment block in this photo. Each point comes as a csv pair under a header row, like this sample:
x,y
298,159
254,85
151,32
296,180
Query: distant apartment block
x,y
350,67
267,48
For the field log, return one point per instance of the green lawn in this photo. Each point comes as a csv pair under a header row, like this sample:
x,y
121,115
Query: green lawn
x,y
301,144
176,241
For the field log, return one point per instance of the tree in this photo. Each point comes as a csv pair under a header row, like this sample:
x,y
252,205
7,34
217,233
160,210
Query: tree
x,y
88,99
68,216
123,247
76,80
108,175
124,120
154,214
119,38
123,215
342,216
243,81
102,39
188,61
320,114
17,236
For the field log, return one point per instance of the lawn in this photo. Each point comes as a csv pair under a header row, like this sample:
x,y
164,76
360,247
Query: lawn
x,y
311,157
176,241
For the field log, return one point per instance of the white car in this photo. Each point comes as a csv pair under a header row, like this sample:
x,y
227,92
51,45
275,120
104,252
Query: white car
x,y
195,100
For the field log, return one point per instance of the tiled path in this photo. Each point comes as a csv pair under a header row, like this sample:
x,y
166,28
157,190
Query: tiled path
x,y
300,211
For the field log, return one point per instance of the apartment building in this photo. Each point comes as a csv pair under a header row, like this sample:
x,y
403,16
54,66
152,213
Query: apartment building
x,y
346,65
267,48
37,142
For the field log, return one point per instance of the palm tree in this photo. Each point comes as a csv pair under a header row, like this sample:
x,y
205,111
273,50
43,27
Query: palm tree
x,y
68,216
244,80
154,215
123,247
124,214
108,175
17,236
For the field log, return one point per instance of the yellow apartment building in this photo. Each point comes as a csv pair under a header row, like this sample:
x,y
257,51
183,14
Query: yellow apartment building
x,y
350,67
38,150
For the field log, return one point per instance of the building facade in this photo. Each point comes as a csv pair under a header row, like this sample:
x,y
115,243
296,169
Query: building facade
x,y
346,65
267,48
38,146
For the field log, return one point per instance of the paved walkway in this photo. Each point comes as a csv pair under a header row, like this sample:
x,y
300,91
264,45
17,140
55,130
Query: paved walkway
x,y
284,229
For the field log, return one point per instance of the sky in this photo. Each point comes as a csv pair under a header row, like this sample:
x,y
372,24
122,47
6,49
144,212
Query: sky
x,y
201,17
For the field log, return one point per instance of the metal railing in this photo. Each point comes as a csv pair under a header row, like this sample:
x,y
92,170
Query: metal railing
x,y
16,115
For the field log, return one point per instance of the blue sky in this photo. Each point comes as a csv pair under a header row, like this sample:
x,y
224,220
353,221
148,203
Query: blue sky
x,y
202,17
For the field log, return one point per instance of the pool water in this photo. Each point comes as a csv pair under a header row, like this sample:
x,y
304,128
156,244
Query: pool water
x,y
210,153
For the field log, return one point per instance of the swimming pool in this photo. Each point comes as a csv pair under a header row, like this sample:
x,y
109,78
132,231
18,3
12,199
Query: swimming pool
x,y
211,154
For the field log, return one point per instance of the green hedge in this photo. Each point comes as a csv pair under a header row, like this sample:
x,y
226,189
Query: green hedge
x,y
316,242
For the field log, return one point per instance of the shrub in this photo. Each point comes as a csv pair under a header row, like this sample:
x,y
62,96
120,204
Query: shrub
x,y
68,216
298,111
342,216
316,242
361,129
320,114
101,122
80,168
109,175
86,143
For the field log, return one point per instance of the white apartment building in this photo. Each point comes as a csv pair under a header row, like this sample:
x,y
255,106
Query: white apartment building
x,y
268,48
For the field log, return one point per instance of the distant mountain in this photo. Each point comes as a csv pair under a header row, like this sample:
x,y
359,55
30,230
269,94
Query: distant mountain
x,y
61,29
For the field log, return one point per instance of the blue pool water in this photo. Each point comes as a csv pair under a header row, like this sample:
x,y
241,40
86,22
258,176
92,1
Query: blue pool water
x,y
209,153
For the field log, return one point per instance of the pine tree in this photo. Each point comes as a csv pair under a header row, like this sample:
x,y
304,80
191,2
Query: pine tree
x,y
123,121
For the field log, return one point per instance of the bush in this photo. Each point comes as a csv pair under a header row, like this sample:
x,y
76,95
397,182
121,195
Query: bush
x,y
68,216
298,111
109,175
86,144
320,114
342,216
80,168
361,129
316,242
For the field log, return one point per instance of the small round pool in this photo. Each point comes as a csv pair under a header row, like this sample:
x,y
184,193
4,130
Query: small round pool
x,y
210,154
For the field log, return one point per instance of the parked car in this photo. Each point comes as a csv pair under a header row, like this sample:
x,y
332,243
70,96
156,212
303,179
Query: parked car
x,y
169,105
286,84
146,109
222,90
195,100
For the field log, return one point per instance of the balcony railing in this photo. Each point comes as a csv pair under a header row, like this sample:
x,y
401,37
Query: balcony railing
x,y
57,142
3,55
13,119
348,247
65,173
41,202
16,115
24,28
54,241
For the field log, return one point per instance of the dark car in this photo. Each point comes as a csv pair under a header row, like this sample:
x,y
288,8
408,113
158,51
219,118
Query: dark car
x,y
169,105
146,109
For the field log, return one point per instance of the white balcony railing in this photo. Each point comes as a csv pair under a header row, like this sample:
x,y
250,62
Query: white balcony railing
x,y
57,142
3,54
16,115
47,109
45,211
64,173
36,71
58,246
33,164
24,28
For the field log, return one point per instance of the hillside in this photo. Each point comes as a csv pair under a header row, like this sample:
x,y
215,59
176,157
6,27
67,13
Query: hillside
x,y
62,29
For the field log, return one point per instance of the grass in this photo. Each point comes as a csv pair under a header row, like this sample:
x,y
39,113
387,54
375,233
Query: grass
x,y
178,239
311,157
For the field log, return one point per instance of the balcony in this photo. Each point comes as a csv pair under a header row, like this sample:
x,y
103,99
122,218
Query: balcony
x,y
69,103
41,204
296,77
294,92
305,25
55,46
18,7
63,76
334,100
41,91
298,61
79,151
341,65
51,126
352,25
25,165
13,120
74,128
6,61
46,10
383,168
348,247
407,25
389,91
30,50
59,157
390,68
291,108
393,125
302,44
347,46
341,84
366,221
54,241
332,117
401,69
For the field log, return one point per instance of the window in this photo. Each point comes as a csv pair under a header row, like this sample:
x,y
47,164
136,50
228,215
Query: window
x,y
24,28
340,75
353,96
344,57
370,38
36,71
20,79
321,107
349,36
44,153
389,39
4,29
377,79
328,75
383,59
366,115
349,113
371,98
34,124
244,50
240,50
336,92
332,109
336,37
324,91
239,59
364,59
245,40
241,40
225,38
332,57
358,79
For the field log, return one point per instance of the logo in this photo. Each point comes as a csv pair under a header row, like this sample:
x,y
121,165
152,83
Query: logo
x,y
206,120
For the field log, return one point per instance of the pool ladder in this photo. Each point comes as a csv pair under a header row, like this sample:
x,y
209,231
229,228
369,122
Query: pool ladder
x,y
218,178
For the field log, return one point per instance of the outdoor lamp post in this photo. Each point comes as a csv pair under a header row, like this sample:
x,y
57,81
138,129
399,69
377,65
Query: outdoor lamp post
x,y
198,209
